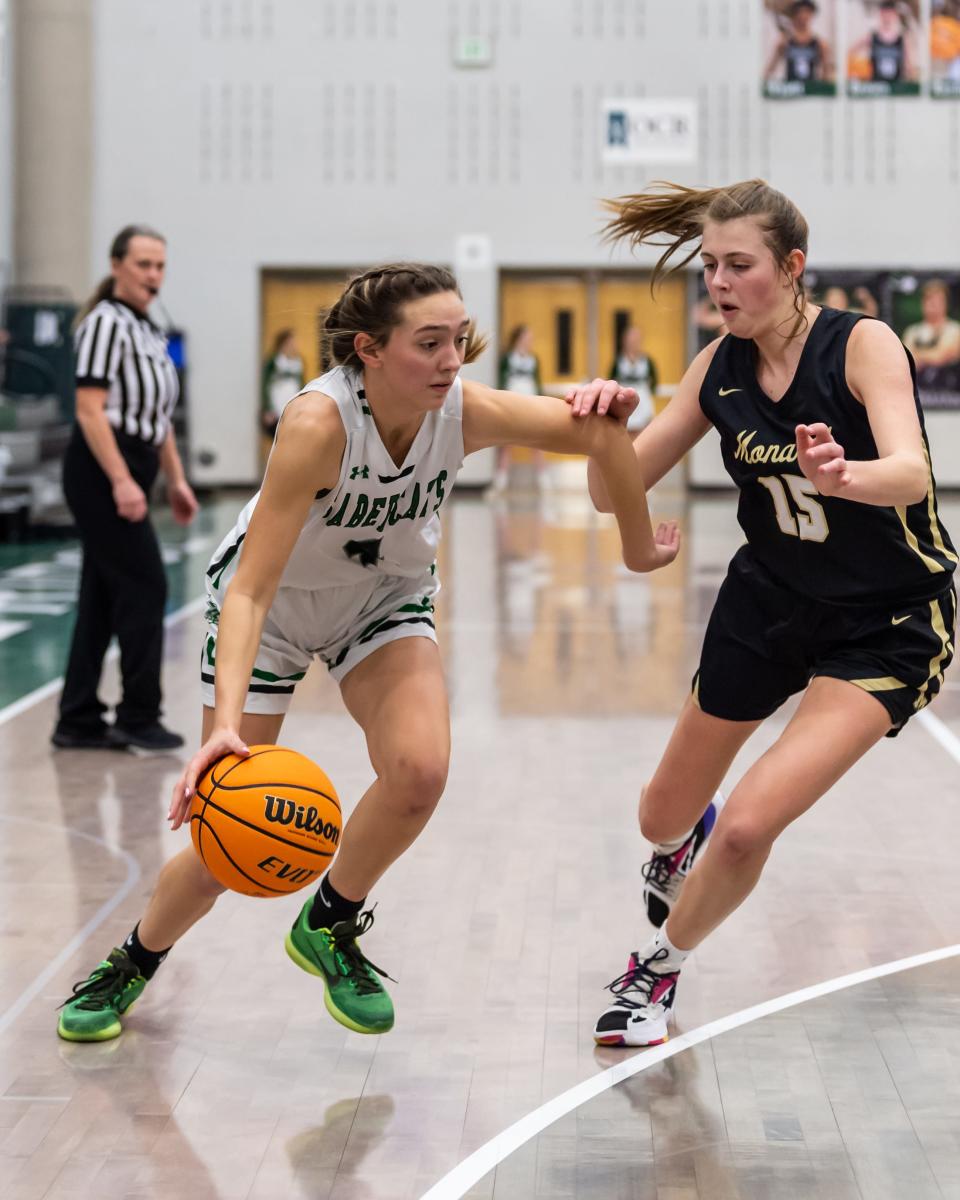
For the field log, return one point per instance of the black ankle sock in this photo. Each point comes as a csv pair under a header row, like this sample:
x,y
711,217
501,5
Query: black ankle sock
x,y
146,960
329,906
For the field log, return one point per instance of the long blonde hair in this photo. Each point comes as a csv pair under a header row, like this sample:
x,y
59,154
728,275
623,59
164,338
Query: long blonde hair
x,y
371,304
674,216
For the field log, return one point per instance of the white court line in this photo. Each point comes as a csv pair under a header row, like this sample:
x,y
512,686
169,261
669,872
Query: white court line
x,y
48,689
469,1172
940,733
133,867
104,911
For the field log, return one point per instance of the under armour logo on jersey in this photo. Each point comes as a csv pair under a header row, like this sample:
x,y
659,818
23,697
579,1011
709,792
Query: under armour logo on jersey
x,y
367,552
359,472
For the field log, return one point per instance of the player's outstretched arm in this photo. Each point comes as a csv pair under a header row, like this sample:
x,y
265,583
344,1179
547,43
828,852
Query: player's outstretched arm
x,y
305,459
668,437
496,418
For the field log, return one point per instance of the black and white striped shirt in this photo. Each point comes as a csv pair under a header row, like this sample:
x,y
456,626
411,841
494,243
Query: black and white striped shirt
x,y
122,350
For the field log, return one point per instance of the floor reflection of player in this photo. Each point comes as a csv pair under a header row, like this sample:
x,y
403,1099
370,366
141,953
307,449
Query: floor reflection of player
x,y
804,56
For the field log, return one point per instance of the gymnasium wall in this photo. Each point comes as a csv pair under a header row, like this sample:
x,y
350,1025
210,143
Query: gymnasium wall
x,y
6,145
325,133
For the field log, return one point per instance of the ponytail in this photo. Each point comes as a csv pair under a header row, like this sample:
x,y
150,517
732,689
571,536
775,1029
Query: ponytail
x,y
674,217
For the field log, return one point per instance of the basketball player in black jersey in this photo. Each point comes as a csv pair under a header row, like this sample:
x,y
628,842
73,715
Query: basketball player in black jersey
x,y
888,49
843,590
805,56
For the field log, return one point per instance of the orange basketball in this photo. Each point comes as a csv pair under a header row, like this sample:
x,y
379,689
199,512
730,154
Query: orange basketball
x,y
266,825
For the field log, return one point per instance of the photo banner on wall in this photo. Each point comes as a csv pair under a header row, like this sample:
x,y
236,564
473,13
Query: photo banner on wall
x,y
799,48
945,49
923,307
883,48
925,312
849,290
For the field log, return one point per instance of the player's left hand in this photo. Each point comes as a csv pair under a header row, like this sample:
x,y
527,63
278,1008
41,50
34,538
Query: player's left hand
x,y
605,397
822,460
183,503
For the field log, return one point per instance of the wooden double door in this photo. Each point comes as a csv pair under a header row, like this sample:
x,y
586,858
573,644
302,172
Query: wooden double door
x,y
577,319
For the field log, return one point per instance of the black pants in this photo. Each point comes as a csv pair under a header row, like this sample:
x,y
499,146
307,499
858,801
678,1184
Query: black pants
x,y
123,591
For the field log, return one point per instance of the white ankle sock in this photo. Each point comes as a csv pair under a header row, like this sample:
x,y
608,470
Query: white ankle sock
x,y
675,844
674,958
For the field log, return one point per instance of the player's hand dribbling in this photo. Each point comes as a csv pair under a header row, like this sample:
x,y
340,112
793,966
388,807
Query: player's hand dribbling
x,y
605,397
822,460
220,743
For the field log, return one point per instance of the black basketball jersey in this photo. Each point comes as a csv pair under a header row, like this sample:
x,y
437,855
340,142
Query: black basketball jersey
x,y
803,60
823,547
887,59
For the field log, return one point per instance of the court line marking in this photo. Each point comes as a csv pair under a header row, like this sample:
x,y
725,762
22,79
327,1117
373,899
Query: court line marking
x,y
481,1162
940,733
472,1169
48,689
133,867
49,971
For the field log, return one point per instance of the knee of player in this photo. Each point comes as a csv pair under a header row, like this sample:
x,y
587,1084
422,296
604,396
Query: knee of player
x,y
738,837
414,780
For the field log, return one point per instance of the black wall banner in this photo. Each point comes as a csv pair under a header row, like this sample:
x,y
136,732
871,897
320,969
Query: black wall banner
x,y
799,48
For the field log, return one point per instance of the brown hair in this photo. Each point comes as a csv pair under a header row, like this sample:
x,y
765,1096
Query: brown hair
x,y
280,338
680,214
516,333
933,286
371,303
118,251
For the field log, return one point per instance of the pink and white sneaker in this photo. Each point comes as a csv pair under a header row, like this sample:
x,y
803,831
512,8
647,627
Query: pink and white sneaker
x,y
643,1005
665,872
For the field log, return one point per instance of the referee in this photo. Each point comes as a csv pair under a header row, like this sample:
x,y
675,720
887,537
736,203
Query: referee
x,y
126,390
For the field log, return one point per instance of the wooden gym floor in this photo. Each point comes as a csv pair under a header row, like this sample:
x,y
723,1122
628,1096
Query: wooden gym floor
x,y
502,925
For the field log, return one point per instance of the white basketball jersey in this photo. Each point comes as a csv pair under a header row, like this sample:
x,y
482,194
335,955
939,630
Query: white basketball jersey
x,y
380,518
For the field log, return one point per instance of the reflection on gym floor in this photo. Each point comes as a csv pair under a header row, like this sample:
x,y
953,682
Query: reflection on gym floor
x,y
502,925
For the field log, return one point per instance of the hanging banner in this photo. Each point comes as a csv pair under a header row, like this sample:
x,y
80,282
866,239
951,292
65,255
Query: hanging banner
x,y
849,290
925,312
799,40
945,49
883,48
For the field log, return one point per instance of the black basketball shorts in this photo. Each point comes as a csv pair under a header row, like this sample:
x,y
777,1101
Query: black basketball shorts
x,y
765,642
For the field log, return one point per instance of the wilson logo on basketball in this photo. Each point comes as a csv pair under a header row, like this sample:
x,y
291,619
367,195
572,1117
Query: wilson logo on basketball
x,y
281,811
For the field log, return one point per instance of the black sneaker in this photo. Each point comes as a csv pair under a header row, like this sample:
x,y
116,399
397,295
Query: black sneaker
x,y
147,737
103,737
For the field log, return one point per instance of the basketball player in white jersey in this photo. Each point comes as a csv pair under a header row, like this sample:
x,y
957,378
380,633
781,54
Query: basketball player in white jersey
x,y
335,559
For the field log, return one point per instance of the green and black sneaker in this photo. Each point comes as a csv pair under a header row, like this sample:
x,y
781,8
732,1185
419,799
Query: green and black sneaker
x,y
93,1015
353,994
